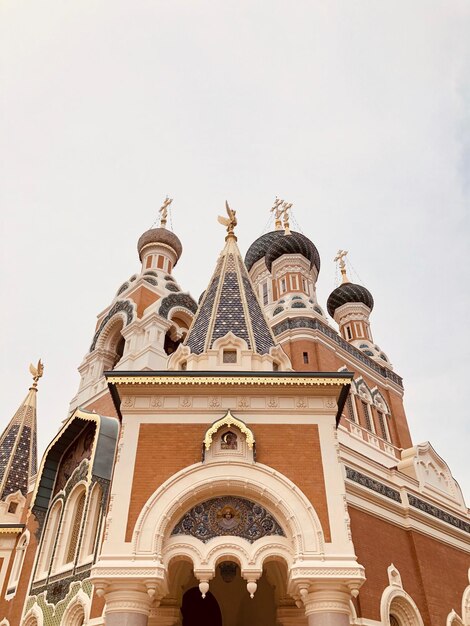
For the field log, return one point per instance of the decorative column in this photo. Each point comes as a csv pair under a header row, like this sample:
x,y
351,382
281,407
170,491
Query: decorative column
x,y
127,604
327,604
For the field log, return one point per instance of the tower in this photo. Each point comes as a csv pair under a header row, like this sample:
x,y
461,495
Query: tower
x,y
233,463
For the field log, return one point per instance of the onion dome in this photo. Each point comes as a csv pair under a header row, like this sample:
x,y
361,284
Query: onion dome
x,y
274,244
294,243
163,236
347,293
258,248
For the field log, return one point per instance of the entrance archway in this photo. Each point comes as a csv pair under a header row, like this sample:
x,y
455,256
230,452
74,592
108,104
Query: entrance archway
x,y
199,611
228,602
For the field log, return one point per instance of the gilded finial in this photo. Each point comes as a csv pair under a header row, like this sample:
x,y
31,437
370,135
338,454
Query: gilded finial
x,y
37,373
164,211
286,206
278,211
229,222
339,258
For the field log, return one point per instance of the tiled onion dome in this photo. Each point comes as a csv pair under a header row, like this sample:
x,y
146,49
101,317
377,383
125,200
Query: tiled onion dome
x,y
294,243
349,292
274,244
258,248
160,235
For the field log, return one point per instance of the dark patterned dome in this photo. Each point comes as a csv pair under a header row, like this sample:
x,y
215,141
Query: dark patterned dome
x,y
273,245
295,243
160,235
258,248
349,292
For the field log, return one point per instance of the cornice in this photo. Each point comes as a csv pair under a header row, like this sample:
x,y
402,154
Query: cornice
x,y
250,380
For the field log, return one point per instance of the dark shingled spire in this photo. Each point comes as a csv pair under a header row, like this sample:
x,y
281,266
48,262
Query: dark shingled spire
x,y
18,455
229,304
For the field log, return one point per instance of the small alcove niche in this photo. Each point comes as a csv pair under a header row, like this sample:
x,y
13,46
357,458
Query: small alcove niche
x,y
228,439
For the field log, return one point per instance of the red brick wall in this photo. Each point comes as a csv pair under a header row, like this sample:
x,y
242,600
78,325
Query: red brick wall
x,y
162,450
294,450
433,574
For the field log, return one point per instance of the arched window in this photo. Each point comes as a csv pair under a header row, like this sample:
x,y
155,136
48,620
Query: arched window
x,y
49,539
91,524
18,562
74,527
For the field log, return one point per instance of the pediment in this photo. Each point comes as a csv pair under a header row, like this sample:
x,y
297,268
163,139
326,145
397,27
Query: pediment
x,y
432,473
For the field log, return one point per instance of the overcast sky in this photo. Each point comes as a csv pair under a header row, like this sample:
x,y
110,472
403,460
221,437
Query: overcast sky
x,y
357,112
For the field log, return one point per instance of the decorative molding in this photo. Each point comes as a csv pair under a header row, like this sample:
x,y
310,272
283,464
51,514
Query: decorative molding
x,y
228,381
430,509
228,420
372,484
315,324
122,306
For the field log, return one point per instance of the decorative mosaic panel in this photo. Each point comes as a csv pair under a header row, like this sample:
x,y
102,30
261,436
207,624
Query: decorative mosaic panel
x,y
228,515
439,513
373,485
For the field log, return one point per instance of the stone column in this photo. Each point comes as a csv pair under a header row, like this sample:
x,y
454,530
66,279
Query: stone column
x,y
127,604
327,605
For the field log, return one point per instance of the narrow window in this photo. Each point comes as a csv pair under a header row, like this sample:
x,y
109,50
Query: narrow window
x,y
76,527
283,285
348,332
305,357
349,404
383,426
149,261
91,526
304,285
367,418
50,536
294,282
160,261
13,506
265,294
275,366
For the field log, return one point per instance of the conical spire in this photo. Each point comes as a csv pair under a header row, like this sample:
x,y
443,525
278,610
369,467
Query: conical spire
x,y
18,452
229,303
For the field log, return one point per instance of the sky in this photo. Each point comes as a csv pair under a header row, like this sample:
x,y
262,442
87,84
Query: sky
x,y
357,112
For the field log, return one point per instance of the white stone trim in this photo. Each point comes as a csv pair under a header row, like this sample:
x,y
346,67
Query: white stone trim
x,y
33,617
395,600
80,605
195,483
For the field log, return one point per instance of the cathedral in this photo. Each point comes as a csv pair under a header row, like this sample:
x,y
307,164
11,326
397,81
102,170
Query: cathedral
x,y
244,460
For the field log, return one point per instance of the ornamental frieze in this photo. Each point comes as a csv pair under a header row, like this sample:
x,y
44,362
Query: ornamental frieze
x,y
228,515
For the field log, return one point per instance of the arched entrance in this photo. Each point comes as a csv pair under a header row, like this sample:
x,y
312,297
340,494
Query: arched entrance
x,y
228,602
199,611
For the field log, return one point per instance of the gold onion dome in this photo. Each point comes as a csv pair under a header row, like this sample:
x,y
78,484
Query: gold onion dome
x,y
162,236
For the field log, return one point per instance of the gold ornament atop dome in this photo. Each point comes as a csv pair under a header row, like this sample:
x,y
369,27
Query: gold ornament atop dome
x,y
37,372
229,222
164,211
281,210
339,258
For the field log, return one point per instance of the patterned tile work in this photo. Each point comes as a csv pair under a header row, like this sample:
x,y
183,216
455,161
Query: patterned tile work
x,y
177,299
197,335
295,243
122,305
19,471
373,485
315,324
349,292
439,513
228,515
263,337
6,447
230,315
258,248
